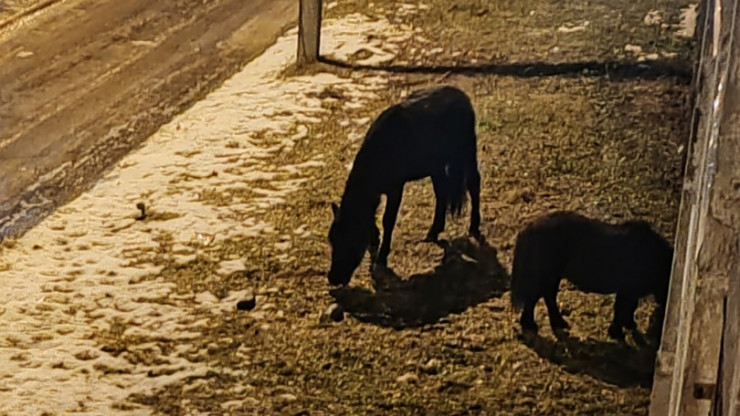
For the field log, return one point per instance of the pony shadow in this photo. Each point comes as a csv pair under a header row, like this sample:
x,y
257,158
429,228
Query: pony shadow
x,y
468,275
615,70
613,362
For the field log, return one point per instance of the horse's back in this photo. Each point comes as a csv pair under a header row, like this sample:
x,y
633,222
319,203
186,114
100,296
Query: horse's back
x,y
596,256
548,241
432,115
437,99
610,258
420,135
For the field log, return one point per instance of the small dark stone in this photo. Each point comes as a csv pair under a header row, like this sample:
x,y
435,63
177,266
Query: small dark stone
x,y
141,207
247,304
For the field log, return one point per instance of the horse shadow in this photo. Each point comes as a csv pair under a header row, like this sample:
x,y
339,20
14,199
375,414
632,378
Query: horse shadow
x,y
613,362
469,274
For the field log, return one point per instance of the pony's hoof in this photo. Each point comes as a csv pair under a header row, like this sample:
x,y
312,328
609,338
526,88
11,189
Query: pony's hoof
x,y
560,324
639,339
528,327
377,269
615,332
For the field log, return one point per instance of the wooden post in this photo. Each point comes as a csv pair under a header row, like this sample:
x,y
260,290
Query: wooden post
x,y
668,366
309,31
726,209
698,365
730,377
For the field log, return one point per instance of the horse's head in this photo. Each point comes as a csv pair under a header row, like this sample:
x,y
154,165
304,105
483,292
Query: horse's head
x,y
660,260
348,244
664,258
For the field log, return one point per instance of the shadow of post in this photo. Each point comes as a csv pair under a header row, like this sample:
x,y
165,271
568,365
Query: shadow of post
x,y
469,274
615,70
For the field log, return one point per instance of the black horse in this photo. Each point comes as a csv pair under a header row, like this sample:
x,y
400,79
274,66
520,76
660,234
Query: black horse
x,y
430,133
629,259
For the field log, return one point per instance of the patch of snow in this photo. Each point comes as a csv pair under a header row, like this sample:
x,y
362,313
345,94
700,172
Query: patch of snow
x,y
633,49
687,26
653,17
572,28
91,267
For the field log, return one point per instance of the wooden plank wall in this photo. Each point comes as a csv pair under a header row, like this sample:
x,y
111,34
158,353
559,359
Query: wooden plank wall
x,y
697,367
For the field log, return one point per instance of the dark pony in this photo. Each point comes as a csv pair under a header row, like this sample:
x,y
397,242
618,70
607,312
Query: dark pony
x,y
629,259
430,134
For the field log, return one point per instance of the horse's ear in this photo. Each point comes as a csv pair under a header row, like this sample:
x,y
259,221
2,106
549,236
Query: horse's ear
x,y
334,209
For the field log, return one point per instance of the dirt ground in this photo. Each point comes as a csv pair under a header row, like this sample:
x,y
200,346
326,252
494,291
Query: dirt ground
x,y
83,82
581,105
606,141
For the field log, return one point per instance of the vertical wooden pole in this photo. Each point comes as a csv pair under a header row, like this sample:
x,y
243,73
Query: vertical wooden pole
x,y
698,362
730,380
726,209
309,31
670,358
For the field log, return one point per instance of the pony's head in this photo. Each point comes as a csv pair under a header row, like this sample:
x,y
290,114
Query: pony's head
x,y
348,241
660,262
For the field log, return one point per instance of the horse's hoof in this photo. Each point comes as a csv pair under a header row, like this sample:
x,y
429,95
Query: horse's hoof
x,y
477,236
560,324
378,268
616,333
528,327
639,339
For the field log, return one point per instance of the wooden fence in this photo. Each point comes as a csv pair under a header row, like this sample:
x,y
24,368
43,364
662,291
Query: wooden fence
x,y
698,364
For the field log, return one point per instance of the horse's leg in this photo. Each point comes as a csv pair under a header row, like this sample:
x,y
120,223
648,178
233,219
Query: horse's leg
x,y
440,194
374,242
553,312
473,182
526,320
392,204
624,316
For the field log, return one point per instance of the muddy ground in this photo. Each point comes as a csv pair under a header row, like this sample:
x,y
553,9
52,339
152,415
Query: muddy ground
x,y
571,116
84,82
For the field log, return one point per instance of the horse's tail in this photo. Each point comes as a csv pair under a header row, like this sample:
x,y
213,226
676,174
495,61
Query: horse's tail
x,y
523,286
461,171
457,188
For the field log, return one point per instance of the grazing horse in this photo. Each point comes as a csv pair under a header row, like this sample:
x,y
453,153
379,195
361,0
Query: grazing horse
x,y
429,134
629,259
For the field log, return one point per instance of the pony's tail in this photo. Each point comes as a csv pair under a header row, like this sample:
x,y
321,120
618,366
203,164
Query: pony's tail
x,y
457,188
521,284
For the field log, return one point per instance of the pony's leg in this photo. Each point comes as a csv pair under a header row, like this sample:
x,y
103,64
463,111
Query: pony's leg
x,y
624,316
440,194
553,312
374,243
473,182
392,204
526,320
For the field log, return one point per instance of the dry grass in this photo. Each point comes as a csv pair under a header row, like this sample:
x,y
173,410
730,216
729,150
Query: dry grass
x,y
606,148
